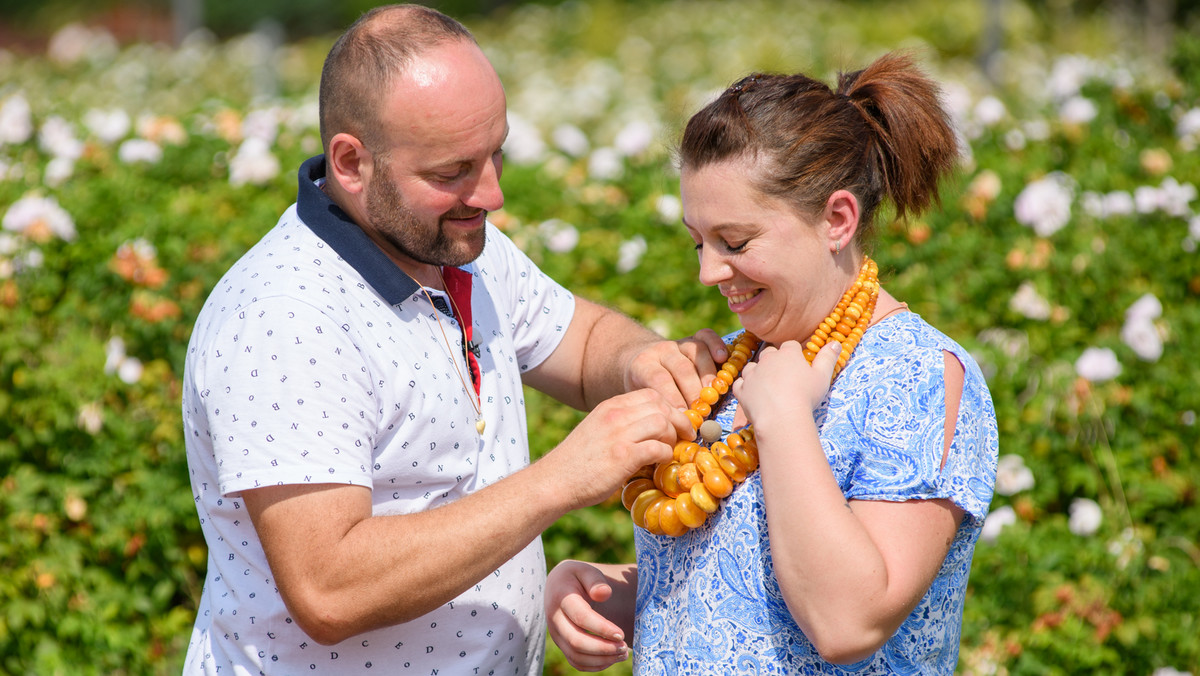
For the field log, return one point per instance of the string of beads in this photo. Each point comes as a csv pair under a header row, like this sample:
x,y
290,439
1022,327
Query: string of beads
x,y
677,495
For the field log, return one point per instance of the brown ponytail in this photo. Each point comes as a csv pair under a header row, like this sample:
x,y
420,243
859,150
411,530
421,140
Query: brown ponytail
x,y
915,141
882,134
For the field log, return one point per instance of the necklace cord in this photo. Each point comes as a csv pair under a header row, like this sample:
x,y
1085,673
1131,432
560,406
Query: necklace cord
x,y
476,401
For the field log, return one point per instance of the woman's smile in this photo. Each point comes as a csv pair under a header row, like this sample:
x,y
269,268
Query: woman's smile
x,y
739,298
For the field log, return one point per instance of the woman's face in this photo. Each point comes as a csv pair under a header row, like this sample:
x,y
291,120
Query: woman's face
x,y
774,267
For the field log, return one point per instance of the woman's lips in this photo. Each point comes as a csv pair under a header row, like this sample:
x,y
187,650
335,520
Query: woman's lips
x,y
739,301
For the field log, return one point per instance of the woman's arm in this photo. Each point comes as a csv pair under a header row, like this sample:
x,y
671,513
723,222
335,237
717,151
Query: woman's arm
x,y
850,571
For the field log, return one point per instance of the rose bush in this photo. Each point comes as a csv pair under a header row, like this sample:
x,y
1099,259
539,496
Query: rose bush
x,y
1064,258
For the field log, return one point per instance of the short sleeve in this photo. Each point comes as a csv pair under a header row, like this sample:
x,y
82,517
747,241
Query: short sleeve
x,y
538,309
970,473
289,398
894,401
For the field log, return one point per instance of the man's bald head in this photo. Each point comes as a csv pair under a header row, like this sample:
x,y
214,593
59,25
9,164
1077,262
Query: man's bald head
x,y
367,58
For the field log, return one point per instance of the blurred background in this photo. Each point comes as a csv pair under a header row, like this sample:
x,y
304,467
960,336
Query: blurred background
x,y
25,25
144,146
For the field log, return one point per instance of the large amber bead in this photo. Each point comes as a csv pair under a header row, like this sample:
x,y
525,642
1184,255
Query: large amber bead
x,y
731,468
718,483
652,516
703,499
642,503
667,478
689,512
669,521
689,475
633,489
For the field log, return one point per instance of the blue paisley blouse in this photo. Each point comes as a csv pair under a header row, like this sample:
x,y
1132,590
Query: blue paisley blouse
x,y
708,602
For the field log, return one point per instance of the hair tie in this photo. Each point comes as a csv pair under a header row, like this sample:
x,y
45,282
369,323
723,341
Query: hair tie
x,y
744,84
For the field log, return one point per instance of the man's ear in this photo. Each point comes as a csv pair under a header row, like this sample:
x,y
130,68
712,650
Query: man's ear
x,y
841,217
348,163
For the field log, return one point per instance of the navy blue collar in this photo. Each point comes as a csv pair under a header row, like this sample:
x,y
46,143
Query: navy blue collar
x,y
335,226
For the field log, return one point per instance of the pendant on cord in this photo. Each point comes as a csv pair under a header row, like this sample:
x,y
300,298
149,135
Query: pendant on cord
x,y
480,423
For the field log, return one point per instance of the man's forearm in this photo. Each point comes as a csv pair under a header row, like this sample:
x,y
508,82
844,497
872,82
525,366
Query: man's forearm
x,y
611,344
343,572
590,363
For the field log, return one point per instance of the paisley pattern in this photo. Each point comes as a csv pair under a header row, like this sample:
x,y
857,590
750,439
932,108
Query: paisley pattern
x,y
708,602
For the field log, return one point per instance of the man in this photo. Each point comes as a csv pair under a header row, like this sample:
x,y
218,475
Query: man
x,y
353,409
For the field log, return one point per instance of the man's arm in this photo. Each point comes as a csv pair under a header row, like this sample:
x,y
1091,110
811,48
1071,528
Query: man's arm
x,y
605,353
342,572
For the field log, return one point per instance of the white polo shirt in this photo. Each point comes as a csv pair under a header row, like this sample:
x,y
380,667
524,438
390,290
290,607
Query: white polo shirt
x,y
317,360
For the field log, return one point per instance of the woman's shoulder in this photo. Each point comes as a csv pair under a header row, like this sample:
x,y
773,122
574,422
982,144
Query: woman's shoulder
x,y
906,338
907,330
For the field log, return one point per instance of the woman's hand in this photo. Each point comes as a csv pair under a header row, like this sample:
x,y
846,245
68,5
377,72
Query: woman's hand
x,y
582,611
782,381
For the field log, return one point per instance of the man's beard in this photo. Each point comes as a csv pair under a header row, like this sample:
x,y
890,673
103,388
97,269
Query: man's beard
x,y
395,222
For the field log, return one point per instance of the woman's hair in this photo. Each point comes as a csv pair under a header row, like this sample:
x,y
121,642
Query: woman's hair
x,y
367,58
883,133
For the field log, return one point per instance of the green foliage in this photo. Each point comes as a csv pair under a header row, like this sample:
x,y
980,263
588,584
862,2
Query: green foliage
x,y
1185,56
103,558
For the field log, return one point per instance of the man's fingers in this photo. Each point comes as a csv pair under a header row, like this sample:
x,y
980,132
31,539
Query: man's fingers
x,y
705,351
641,414
682,426
651,452
718,351
677,370
672,381
688,373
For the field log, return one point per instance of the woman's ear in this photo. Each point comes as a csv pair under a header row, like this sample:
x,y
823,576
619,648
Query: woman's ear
x,y
348,163
841,218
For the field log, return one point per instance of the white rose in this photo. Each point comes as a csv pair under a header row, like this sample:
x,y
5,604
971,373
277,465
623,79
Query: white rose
x,y
571,140
139,150
995,522
1029,303
1143,338
559,236
1012,476
1045,204
605,164
634,138
669,209
1077,110
630,254
1085,516
1098,364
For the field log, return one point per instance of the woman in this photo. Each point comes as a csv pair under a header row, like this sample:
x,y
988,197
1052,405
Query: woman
x,y
849,550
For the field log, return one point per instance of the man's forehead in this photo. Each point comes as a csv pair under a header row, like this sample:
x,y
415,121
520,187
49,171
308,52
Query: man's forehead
x,y
424,73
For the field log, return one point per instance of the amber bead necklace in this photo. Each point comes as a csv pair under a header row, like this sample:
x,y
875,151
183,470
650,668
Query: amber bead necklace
x,y
677,495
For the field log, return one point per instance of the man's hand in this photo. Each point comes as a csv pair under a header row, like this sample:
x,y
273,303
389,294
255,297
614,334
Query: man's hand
x,y
677,369
619,437
605,353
